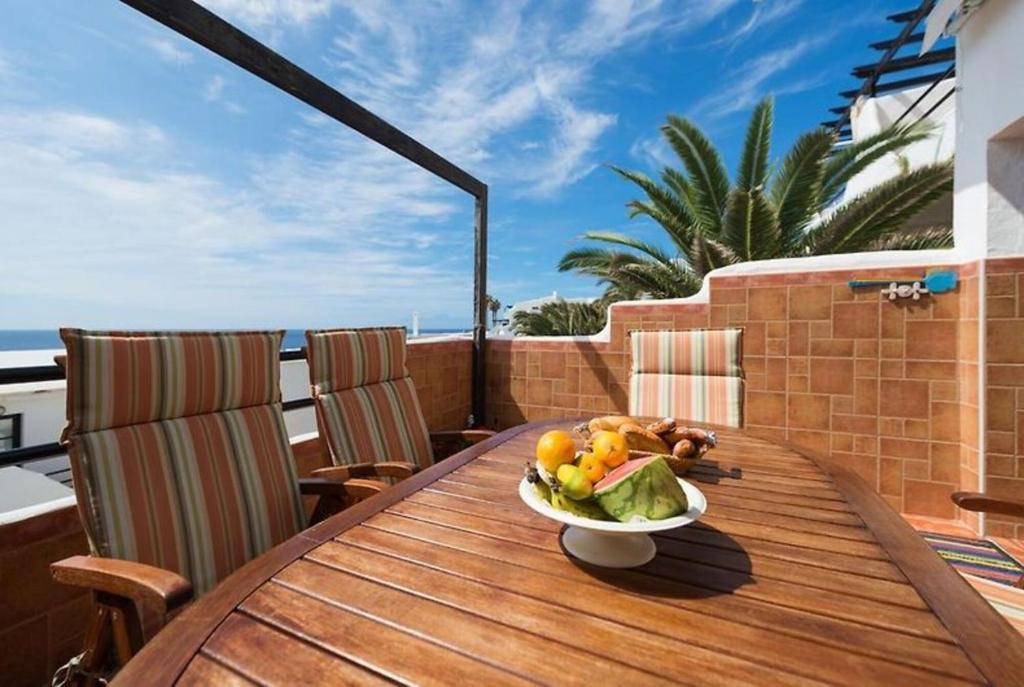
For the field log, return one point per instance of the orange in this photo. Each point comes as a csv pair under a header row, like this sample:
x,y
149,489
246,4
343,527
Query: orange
x,y
555,448
610,448
593,468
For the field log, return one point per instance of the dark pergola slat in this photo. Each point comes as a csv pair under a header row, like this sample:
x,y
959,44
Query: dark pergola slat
x,y
900,17
904,63
905,83
198,24
870,85
885,45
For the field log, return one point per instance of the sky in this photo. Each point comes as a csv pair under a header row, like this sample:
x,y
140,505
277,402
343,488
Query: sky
x,y
147,183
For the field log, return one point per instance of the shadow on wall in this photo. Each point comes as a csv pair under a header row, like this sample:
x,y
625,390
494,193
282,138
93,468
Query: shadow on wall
x,y
1006,191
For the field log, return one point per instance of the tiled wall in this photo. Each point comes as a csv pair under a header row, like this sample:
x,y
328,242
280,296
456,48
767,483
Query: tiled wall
x,y
873,382
41,622
442,372
1004,375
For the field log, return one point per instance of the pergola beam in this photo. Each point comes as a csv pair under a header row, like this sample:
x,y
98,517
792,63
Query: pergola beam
x,y
904,63
222,38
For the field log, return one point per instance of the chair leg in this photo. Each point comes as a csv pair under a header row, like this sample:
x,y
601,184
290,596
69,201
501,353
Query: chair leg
x,y
327,506
126,626
95,647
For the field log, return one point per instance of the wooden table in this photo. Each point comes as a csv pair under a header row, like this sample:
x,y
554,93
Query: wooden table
x,y
797,574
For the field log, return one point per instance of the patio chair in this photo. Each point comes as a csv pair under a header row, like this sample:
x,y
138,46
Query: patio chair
x,y
366,404
182,469
694,375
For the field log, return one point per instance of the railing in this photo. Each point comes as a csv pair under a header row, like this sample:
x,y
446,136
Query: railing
x,y
50,373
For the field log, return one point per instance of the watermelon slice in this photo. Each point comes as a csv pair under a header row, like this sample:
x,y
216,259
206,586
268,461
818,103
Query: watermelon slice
x,y
641,488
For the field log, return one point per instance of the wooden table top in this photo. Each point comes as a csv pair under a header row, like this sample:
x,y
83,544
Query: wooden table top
x,y
797,574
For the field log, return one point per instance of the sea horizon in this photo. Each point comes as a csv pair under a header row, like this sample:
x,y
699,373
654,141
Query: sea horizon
x,y
49,339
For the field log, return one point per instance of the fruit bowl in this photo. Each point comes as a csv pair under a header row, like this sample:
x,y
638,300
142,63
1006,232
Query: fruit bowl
x,y
612,544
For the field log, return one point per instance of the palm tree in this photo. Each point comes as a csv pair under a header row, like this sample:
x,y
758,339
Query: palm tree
x,y
561,318
789,211
494,305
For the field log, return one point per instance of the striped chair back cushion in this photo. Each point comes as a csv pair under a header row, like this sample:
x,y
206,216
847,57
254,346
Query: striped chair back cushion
x,y
349,358
694,375
184,460
366,402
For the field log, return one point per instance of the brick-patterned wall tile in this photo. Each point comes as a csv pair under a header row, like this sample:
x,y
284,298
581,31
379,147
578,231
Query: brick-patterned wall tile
x,y
885,386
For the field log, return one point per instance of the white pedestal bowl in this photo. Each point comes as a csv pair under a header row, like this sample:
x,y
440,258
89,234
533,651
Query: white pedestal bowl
x,y
613,544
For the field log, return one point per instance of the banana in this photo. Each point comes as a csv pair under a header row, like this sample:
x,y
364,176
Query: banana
x,y
584,509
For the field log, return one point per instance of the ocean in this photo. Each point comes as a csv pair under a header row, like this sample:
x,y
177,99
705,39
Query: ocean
x,y
47,339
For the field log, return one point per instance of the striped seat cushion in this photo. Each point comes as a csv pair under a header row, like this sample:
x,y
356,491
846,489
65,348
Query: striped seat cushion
x,y
366,401
377,422
718,400
696,375
179,450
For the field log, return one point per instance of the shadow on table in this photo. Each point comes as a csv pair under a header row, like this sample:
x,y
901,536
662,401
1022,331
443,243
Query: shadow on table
x,y
693,562
712,472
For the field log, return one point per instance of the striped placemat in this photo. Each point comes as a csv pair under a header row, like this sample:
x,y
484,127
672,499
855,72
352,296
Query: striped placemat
x,y
978,557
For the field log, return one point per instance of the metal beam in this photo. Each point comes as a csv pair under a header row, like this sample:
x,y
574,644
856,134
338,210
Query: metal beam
x,y
901,17
220,37
905,83
869,85
904,63
885,45
480,313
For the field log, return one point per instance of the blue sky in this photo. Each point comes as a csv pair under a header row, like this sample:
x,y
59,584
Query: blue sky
x,y
147,183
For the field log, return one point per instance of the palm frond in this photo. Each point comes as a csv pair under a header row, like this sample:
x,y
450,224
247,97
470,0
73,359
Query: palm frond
x,y
561,318
666,198
847,162
923,239
797,184
680,233
659,280
594,261
884,208
706,254
707,177
750,229
753,170
648,249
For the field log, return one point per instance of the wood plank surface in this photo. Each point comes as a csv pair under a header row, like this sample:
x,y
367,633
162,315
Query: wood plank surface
x,y
798,574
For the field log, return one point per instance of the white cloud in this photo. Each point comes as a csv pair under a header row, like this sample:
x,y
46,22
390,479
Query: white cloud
x,y
466,80
748,83
213,92
766,13
131,235
331,228
168,50
214,88
264,13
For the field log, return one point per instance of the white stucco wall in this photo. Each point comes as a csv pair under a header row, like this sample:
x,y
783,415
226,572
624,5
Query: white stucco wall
x,y
990,100
874,114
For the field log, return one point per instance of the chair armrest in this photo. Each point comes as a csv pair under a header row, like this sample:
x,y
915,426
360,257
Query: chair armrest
x,y
148,585
341,473
973,501
471,436
353,488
